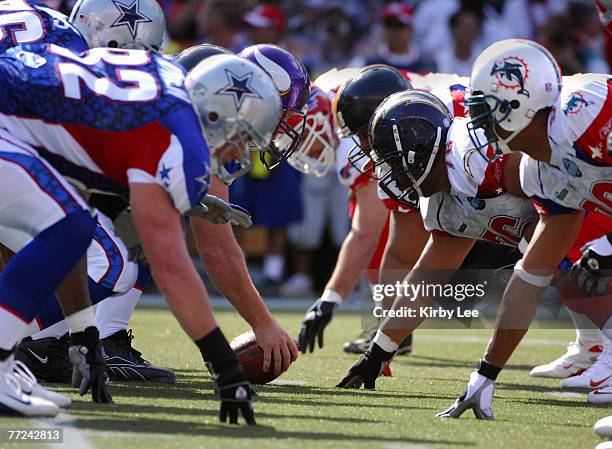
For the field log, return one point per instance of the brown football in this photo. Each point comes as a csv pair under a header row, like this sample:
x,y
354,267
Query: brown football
x,y
250,356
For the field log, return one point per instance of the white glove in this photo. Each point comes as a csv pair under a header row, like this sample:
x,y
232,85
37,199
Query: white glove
x,y
478,396
217,211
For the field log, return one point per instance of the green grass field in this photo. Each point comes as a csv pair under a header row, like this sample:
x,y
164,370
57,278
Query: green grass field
x,y
304,411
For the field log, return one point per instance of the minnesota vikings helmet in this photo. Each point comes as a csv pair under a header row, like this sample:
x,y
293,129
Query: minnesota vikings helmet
x,y
120,23
291,80
238,106
316,152
192,56
511,80
407,132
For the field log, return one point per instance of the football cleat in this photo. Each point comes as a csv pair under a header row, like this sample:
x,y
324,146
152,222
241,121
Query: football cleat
x,y
30,386
14,402
361,343
124,363
601,396
604,445
603,427
575,361
478,397
597,376
47,358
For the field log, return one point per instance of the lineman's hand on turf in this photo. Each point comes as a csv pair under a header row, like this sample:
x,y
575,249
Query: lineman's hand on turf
x,y
217,211
592,273
236,395
89,369
277,344
478,397
367,369
317,317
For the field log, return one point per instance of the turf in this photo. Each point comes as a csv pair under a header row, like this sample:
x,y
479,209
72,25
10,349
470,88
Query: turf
x,y
305,411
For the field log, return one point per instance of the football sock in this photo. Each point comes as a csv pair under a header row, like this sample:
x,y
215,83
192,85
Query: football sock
x,y
114,313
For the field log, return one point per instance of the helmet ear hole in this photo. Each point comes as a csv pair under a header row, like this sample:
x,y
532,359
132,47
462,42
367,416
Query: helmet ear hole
x,y
515,104
213,117
113,44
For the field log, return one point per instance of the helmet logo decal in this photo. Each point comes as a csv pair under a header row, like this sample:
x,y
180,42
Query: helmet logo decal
x,y
130,16
575,104
511,72
239,87
279,76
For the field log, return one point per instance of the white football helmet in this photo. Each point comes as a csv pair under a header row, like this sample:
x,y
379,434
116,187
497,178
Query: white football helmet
x,y
511,80
316,152
239,106
120,23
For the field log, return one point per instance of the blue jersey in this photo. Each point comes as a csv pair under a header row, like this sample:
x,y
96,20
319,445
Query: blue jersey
x,y
29,22
107,118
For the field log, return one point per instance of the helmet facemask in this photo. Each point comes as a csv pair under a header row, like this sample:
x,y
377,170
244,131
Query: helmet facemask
x,y
484,117
285,140
362,159
318,133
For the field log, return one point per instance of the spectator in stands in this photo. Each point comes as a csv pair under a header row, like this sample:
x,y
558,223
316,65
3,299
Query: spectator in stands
x,y
265,23
219,23
397,48
465,26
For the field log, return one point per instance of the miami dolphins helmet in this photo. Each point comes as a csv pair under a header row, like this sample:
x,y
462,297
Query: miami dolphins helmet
x,y
511,80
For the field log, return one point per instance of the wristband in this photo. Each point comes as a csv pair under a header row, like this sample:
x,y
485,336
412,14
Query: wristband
x,y
216,350
331,296
385,342
487,370
523,244
601,246
533,279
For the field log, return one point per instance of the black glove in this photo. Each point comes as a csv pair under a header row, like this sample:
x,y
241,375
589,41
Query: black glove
x,y
592,272
236,395
315,321
367,369
89,369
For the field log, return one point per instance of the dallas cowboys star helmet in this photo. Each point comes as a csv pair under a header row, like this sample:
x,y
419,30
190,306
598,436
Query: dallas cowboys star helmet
x,y
120,23
511,80
291,79
238,106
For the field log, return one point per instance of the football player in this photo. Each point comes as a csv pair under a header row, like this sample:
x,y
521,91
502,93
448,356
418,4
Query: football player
x,y
565,131
86,113
357,94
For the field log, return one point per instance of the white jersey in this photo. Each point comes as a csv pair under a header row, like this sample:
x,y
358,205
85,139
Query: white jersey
x,y
579,175
477,206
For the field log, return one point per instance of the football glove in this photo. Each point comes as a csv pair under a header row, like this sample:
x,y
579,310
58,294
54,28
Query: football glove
x,y
217,211
236,395
317,317
592,272
89,369
478,397
367,369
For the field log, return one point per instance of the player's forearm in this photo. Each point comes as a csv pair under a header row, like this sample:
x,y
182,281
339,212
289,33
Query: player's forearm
x,y
226,267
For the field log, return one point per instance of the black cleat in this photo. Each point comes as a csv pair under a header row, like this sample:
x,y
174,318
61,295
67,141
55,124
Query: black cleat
x,y
361,343
47,358
405,347
124,363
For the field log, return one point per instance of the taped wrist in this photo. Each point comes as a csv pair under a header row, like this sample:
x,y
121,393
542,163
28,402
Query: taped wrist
x,y
217,352
533,279
487,370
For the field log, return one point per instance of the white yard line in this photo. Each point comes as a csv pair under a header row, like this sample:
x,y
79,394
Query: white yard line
x,y
73,437
475,339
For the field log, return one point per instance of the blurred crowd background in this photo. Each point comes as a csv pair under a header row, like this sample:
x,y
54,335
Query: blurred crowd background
x,y
301,221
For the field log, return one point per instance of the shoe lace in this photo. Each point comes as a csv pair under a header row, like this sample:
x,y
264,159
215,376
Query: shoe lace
x,y
133,351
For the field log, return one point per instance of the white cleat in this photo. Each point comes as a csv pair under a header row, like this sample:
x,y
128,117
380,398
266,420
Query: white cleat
x,y
604,445
30,386
575,361
14,402
597,376
602,396
603,427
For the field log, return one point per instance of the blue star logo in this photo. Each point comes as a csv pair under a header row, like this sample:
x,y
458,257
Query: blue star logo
x,y
239,87
130,16
164,173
